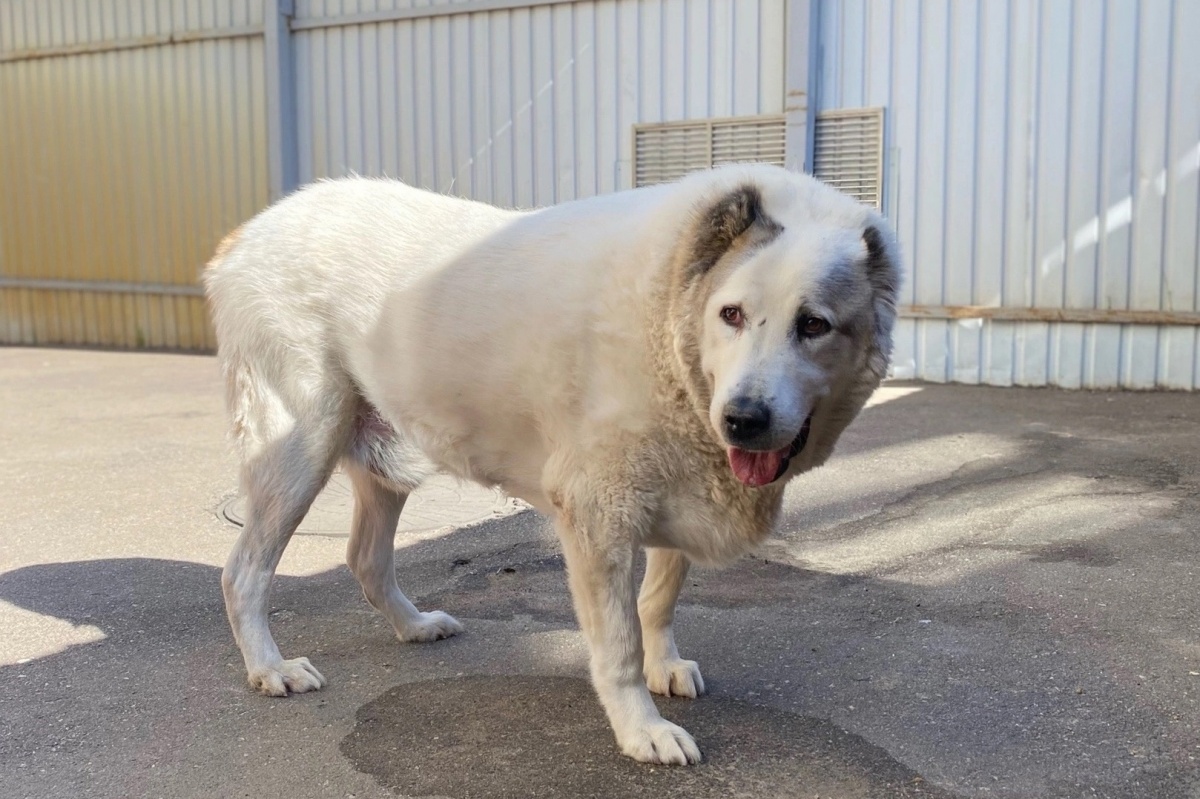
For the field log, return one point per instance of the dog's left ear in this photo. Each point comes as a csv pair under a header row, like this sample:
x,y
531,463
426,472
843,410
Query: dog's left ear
x,y
883,272
721,224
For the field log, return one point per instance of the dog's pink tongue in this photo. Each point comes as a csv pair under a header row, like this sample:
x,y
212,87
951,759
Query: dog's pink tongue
x,y
755,468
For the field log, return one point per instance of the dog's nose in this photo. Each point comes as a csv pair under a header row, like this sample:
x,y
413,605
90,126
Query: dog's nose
x,y
747,419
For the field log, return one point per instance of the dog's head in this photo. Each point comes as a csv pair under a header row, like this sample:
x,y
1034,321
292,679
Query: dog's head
x,y
787,299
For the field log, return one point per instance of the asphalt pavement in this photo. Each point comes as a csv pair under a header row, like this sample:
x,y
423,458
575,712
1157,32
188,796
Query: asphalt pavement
x,y
987,592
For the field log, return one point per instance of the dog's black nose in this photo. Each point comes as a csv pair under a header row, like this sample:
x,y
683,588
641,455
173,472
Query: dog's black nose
x,y
746,419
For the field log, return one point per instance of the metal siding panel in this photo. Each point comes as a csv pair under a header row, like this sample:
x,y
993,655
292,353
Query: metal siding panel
x,y
831,65
522,103
903,125
462,180
341,135
1083,157
772,54
370,110
745,40
649,55
125,217
424,100
960,158
933,56
388,55
481,135
853,27
542,110
997,367
406,83
609,141
697,94
1051,148
721,58
500,93
1017,212
1104,360
991,157
627,100
1074,355
1153,82
442,101
565,133
1181,279
674,51
878,55
1117,147
584,51
302,51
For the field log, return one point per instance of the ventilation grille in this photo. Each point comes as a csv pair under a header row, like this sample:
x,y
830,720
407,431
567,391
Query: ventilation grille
x,y
667,151
848,152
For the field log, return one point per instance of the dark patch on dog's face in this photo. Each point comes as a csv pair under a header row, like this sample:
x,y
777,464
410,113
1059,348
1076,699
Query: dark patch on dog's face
x,y
730,218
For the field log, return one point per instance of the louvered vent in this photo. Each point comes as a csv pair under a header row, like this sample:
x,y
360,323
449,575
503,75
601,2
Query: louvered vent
x,y
848,152
667,151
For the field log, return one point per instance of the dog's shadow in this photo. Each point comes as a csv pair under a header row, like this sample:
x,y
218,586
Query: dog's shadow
x,y
515,735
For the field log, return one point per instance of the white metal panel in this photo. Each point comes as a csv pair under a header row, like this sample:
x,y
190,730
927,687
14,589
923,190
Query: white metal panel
x,y
522,106
1044,154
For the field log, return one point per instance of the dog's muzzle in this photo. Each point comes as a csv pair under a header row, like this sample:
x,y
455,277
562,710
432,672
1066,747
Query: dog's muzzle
x,y
794,450
757,468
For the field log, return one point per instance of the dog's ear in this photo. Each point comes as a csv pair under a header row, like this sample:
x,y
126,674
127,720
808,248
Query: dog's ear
x,y
723,223
883,273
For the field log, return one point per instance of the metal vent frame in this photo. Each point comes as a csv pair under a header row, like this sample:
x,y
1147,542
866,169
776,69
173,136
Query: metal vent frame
x,y
848,152
666,151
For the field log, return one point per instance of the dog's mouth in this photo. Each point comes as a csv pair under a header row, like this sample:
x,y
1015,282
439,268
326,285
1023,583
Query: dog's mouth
x,y
757,469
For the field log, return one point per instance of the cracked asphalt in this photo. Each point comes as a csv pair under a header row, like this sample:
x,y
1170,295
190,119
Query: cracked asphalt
x,y
986,593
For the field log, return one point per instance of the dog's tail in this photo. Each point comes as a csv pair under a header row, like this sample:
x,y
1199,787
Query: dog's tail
x,y
235,368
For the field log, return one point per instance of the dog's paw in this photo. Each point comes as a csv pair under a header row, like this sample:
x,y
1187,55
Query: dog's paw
x,y
287,676
431,627
674,677
660,741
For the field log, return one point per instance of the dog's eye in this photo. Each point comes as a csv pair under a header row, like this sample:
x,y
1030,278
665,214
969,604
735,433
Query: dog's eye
x,y
812,327
732,316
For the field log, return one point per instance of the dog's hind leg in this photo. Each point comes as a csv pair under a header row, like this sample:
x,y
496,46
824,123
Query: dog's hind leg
x,y
371,556
281,479
666,673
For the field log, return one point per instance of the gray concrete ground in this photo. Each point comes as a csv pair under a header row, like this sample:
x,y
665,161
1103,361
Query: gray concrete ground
x,y
987,593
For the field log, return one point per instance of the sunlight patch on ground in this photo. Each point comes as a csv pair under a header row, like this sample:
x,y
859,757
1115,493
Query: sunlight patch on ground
x,y
29,635
888,393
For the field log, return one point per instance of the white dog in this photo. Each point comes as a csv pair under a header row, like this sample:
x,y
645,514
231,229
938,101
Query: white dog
x,y
649,368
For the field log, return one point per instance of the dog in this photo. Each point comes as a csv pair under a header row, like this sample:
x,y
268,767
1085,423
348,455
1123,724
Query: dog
x,y
649,368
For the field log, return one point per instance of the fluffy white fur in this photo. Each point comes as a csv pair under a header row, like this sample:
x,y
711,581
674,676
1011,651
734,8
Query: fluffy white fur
x,y
575,356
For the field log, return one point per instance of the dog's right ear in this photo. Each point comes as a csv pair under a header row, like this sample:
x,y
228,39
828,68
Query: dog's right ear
x,y
723,223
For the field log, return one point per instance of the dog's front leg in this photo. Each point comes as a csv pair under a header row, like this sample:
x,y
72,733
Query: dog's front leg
x,y
600,559
666,673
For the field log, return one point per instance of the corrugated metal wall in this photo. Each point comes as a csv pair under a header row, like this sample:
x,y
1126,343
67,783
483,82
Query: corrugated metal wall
x,y
522,106
1044,154
132,137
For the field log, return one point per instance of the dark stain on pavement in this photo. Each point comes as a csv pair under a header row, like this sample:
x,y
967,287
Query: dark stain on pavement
x,y
530,579
1084,553
529,737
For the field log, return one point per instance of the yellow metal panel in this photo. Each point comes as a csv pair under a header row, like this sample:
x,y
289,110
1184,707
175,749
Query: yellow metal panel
x,y
125,166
